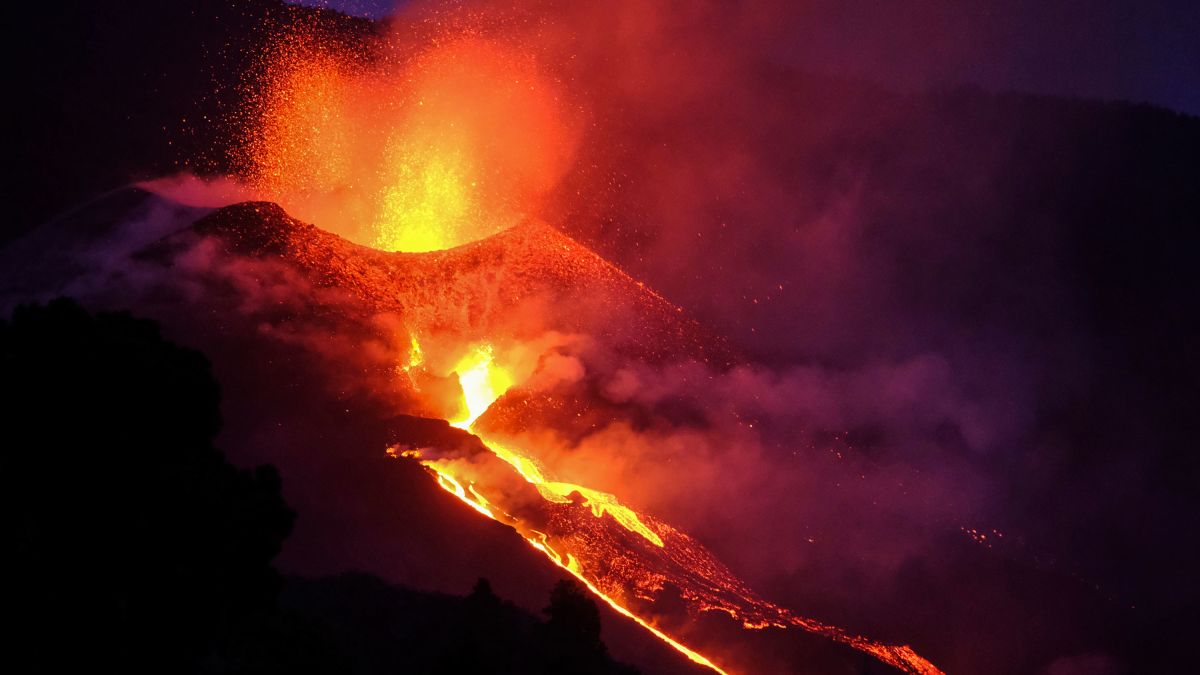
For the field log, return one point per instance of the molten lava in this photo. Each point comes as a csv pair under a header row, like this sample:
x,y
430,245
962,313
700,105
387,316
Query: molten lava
x,y
520,286
588,552
482,383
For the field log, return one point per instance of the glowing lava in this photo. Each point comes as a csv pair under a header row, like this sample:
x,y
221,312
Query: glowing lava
x,y
406,152
671,557
628,558
429,195
482,383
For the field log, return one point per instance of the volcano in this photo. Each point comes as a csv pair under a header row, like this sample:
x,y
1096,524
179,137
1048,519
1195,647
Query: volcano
x,y
466,335
933,382
477,290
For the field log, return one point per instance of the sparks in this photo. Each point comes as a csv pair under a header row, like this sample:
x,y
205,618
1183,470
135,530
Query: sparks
x,y
425,153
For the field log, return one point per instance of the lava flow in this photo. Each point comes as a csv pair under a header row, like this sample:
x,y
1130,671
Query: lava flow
x,y
587,549
523,285
482,383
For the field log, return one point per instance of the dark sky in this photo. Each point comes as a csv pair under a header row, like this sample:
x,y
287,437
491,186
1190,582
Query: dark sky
x,y
1139,50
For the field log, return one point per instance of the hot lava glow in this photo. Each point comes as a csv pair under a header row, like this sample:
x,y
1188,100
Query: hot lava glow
x,y
407,152
664,555
483,382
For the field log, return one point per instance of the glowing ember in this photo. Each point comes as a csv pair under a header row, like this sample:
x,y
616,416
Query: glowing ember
x,y
413,153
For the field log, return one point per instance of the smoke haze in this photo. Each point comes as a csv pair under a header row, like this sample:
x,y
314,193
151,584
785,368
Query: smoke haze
x,y
948,416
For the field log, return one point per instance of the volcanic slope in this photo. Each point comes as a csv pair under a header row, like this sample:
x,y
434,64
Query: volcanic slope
x,y
515,286
522,283
519,283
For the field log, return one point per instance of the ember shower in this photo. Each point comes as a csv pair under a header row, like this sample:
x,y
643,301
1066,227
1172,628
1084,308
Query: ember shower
x,y
427,148
408,150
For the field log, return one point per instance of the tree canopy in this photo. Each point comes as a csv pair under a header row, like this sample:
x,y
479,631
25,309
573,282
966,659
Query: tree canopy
x,y
133,541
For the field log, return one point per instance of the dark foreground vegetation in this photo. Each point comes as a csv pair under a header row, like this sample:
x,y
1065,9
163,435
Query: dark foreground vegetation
x,y
135,546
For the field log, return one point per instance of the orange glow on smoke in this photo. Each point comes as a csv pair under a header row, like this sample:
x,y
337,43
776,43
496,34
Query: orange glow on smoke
x,y
407,153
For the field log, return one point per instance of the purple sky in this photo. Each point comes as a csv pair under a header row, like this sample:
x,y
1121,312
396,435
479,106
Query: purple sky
x,y
1139,50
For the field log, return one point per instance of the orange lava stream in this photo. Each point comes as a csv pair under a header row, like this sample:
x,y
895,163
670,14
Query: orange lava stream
x,y
694,656
483,382
451,485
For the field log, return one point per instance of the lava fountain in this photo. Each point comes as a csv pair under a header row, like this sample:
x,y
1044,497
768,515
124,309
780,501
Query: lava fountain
x,y
406,152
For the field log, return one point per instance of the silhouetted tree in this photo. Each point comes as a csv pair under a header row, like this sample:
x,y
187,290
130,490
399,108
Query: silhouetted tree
x,y
133,543
573,630
480,643
482,597
573,616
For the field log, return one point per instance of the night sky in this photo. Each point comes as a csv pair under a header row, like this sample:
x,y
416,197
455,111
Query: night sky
x,y
1141,51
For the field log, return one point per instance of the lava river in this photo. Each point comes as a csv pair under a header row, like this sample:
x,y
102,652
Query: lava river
x,y
624,557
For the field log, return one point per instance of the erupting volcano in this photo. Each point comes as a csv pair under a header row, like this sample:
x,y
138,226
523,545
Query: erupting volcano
x,y
762,337
433,163
488,316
